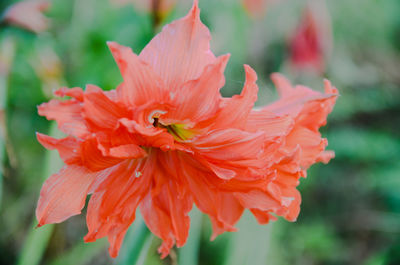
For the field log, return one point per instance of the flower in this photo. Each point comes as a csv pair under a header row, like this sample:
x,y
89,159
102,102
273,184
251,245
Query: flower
x,y
311,40
28,15
257,8
165,138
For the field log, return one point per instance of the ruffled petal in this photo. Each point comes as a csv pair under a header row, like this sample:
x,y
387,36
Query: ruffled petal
x,y
68,148
309,109
63,194
75,92
159,222
198,99
229,211
181,51
288,173
149,136
223,209
127,151
272,124
140,84
166,207
67,114
93,158
112,207
99,111
236,110
293,98
315,113
263,217
258,199
310,142
229,151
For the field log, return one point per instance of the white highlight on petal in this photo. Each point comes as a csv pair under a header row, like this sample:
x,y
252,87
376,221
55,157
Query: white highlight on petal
x,y
154,113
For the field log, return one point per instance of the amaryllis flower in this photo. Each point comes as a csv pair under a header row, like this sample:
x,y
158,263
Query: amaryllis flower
x,y
311,40
165,138
28,15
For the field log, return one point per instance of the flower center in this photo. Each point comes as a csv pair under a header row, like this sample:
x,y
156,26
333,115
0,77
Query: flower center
x,y
178,131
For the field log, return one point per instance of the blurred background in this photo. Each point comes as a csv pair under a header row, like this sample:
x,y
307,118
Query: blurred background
x,y
351,207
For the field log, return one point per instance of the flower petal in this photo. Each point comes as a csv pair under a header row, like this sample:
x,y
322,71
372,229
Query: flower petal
x,y
272,124
127,151
112,207
75,92
263,217
67,114
258,199
68,147
93,158
293,98
99,110
140,84
315,113
222,208
198,99
229,212
310,142
229,151
63,194
236,109
155,137
181,51
166,208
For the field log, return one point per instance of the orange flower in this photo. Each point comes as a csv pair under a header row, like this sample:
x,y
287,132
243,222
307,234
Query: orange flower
x,y
311,40
166,138
28,15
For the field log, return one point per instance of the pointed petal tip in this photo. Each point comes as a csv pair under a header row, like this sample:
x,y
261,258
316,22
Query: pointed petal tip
x,y
40,218
45,140
329,88
195,10
283,85
113,252
164,252
89,238
250,73
278,77
90,88
223,60
40,137
111,43
115,47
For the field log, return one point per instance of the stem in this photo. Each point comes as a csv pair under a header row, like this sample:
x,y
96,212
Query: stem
x,y
155,13
7,51
189,254
134,246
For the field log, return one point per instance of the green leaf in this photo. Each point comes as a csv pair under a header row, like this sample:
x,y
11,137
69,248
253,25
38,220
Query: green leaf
x,y
144,252
35,245
37,239
250,244
82,253
131,250
189,253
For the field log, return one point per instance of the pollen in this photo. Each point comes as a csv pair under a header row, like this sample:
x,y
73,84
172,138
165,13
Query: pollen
x,y
178,131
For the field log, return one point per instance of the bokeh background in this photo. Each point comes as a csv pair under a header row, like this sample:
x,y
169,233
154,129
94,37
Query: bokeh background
x,y
351,207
